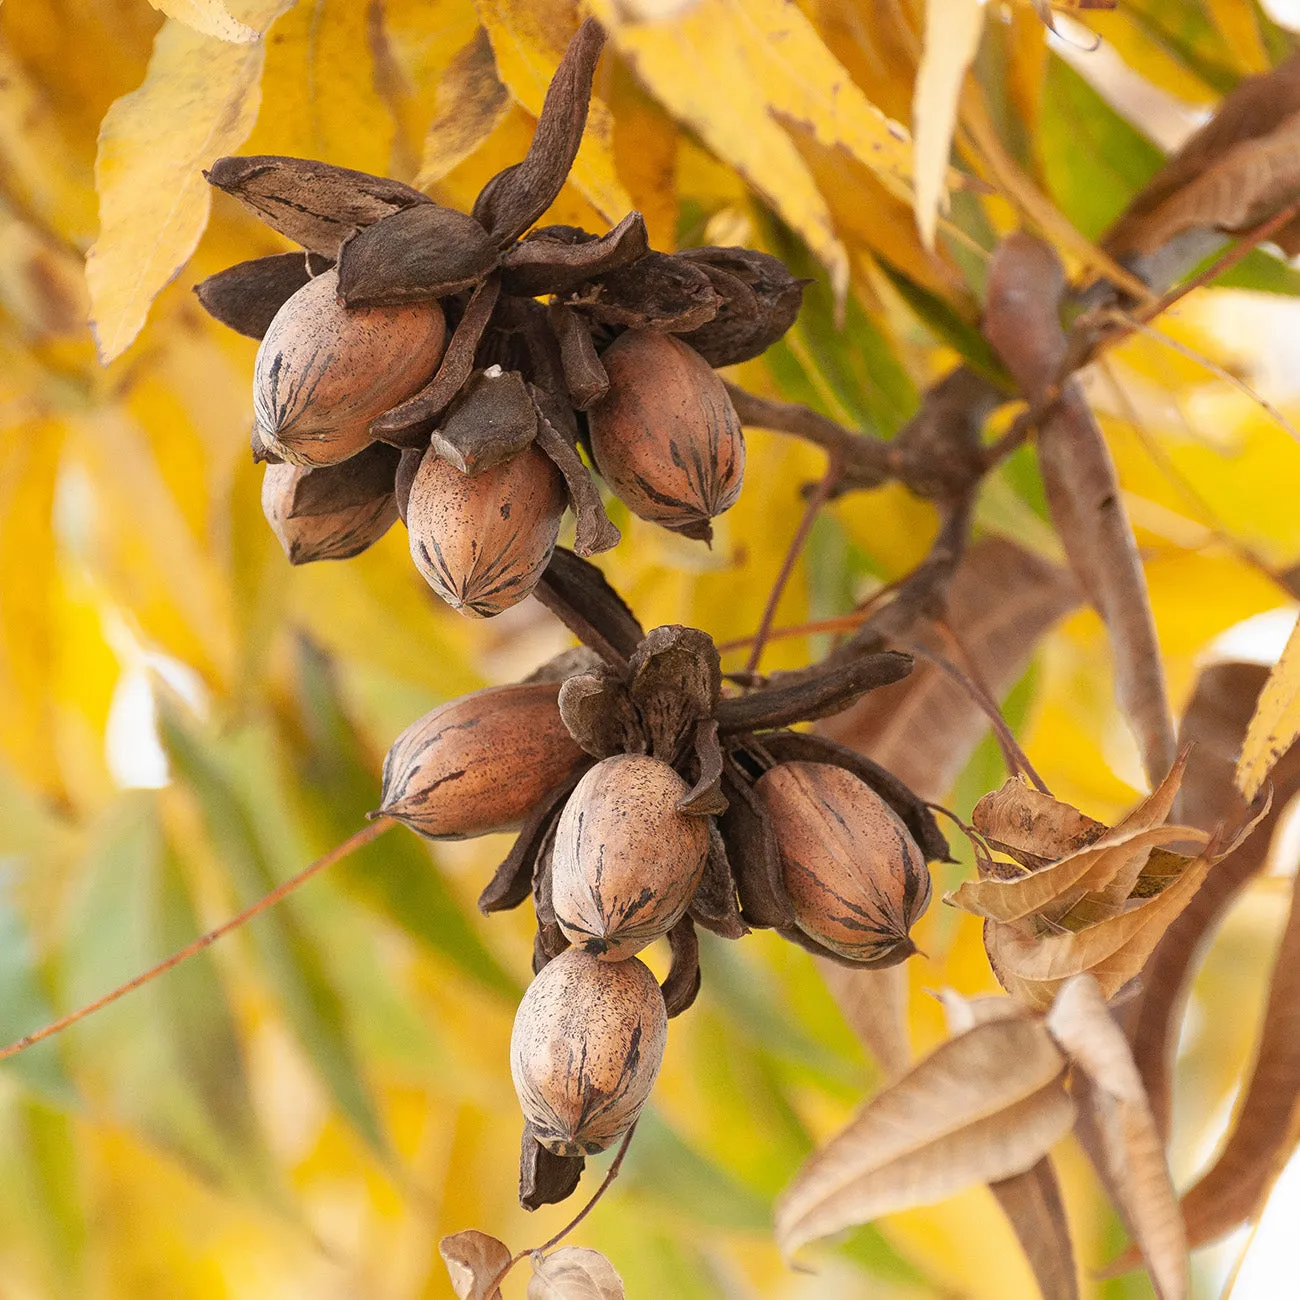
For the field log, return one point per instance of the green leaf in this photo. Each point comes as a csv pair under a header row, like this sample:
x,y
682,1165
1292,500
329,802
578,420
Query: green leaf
x,y
948,327
23,1004
396,877
297,973
1094,161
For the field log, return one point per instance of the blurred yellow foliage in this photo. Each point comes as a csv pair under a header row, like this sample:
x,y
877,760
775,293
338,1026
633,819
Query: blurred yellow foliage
x,y
184,720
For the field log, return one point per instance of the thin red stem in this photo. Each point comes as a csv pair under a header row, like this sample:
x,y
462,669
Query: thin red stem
x,y
818,498
340,851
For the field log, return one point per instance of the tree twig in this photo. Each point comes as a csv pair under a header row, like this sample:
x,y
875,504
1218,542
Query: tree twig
x,y
281,891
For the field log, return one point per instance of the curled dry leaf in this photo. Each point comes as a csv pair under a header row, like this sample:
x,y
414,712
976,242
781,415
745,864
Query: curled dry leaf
x,y
574,1273
986,1105
474,1262
1021,321
1129,1142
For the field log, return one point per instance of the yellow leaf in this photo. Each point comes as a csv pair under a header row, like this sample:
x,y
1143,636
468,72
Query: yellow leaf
x,y
29,462
471,101
528,38
952,35
319,96
753,66
198,101
210,17
1276,723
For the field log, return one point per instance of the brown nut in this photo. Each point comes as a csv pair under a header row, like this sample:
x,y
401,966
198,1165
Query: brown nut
x,y
666,437
324,371
482,542
856,878
626,863
588,1040
479,763
331,512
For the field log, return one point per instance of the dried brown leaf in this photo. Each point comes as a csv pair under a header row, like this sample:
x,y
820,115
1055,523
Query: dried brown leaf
x,y
1021,321
1033,1206
1214,723
1237,163
1234,1187
1052,891
1032,827
574,1273
984,1106
874,1005
1131,1147
474,1261
1032,967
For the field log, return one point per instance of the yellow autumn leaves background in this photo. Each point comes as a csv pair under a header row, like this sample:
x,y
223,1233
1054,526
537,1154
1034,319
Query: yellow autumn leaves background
x,y
185,721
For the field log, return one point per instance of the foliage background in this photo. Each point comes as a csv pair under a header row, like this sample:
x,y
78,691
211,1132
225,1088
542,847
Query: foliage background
x,y
185,720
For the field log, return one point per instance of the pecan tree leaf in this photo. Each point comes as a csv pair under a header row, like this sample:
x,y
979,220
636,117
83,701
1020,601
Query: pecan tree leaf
x,y
246,296
1031,826
1129,1142
474,1261
1275,724
1035,1209
315,204
574,1273
414,254
469,104
1262,1134
1021,321
985,1105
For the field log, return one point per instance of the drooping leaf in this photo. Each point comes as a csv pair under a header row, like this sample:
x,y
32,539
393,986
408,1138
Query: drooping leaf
x,y
574,1273
198,101
952,35
1133,1152
986,1105
1021,321
1214,724
1033,1206
474,1262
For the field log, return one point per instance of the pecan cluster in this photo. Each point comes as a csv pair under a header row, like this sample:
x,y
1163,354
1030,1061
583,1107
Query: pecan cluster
x,y
649,801
448,367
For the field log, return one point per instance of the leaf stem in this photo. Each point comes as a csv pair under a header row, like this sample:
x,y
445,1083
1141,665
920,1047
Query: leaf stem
x,y
816,500
283,890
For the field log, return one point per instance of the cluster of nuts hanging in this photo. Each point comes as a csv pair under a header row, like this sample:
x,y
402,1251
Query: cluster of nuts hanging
x,y
407,367
649,802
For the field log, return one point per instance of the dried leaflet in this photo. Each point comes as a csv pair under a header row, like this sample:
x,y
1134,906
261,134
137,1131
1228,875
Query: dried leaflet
x,y
986,1105
1131,1146
1214,724
1021,321
1032,1200
574,1273
1263,1128
474,1262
